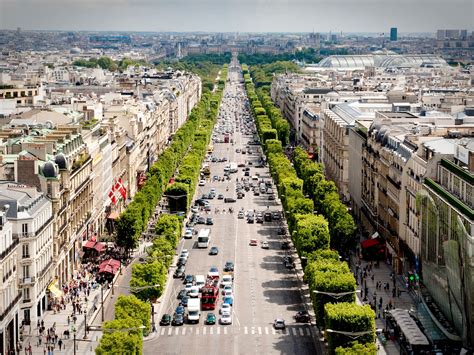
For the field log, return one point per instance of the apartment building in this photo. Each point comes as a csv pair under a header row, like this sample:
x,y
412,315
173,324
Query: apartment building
x,y
31,216
446,213
10,295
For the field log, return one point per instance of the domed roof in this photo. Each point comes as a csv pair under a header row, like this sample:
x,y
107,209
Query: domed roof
x,y
375,126
60,160
49,170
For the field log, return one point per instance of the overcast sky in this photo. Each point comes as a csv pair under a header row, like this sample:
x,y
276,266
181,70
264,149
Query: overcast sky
x,y
238,15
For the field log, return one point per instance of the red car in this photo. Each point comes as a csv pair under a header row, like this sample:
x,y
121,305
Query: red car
x,y
253,242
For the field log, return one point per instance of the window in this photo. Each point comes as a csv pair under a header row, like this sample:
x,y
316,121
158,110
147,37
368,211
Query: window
x,y
26,251
26,271
24,228
26,293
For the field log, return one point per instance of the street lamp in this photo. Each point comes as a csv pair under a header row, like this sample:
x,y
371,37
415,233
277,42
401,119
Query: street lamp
x,y
352,335
336,295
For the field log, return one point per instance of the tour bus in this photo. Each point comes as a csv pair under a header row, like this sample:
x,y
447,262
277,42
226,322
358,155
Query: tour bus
x,y
204,237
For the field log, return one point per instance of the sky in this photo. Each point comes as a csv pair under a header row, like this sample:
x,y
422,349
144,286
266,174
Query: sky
x,y
238,15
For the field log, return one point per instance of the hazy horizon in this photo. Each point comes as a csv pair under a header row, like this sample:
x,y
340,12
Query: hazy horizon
x,y
366,16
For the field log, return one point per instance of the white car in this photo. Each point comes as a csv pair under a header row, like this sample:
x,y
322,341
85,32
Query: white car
x,y
226,309
184,253
226,281
195,209
202,182
194,292
226,319
227,293
227,288
265,245
188,234
188,287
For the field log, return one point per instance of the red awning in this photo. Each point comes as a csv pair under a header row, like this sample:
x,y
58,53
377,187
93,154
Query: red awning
x,y
99,247
89,245
370,243
111,266
94,238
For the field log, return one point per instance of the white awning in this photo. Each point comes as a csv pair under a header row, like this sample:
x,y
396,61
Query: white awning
x,y
408,326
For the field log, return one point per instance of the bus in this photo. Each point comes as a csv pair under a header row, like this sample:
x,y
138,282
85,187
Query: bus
x,y
209,297
204,237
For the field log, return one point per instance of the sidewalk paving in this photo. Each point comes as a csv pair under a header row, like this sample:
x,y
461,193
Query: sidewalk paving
x,y
382,274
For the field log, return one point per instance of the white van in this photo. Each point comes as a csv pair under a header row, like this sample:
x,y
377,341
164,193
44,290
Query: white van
x,y
200,281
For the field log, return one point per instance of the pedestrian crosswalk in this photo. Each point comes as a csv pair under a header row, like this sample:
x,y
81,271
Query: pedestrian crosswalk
x,y
295,331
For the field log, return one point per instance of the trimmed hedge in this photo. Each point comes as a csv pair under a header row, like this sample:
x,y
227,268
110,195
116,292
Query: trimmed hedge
x,y
357,349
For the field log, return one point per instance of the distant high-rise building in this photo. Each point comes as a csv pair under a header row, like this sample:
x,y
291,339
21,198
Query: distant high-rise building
x,y
393,34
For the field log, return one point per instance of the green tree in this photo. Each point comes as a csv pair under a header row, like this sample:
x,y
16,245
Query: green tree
x,y
114,341
348,317
107,63
127,307
311,233
356,348
148,274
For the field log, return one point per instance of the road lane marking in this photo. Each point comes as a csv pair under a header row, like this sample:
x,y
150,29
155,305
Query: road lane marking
x,y
176,331
253,330
273,331
308,331
294,331
190,330
163,331
169,331
246,330
301,332
260,330
218,330
225,330
204,330
212,330
266,330
197,331
184,331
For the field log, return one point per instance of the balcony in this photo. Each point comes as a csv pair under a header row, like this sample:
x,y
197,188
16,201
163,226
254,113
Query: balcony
x,y
28,280
10,307
10,248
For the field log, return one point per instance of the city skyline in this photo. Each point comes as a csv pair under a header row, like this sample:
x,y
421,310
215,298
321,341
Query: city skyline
x,y
237,16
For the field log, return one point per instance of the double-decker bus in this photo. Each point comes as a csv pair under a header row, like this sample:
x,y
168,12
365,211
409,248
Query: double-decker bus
x,y
209,297
204,238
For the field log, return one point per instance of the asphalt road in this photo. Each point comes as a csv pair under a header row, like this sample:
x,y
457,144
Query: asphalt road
x,y
263,288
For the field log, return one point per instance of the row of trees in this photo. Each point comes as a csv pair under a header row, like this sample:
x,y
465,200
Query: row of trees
x,y
108,63
317,221
124,334
134,219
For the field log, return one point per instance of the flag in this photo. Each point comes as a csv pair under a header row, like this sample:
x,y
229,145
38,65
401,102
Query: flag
x,y
112,196
121,189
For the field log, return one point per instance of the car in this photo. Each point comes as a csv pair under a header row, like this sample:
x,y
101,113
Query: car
x,y
302,317
227,288
226,319
184,301
165,319
240,195
225,309
211,195
201,220
227,292
229,266
213,272
188,234
189,279
182,293
289,265
256,192
194,292
271,197
207,208
285,245
179,272
227,280
202,182
276,215
279,324
179,310
178,320
259,218
213,251
181,261
200,202
265,245
267,216
184,253
220,197
253,242
209,221
241,215
195,209
250,219
229,200
229,300
188,287
210,319
237,150
247,173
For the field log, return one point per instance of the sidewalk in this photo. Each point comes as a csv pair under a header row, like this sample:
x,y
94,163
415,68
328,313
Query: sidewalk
x,y
381,273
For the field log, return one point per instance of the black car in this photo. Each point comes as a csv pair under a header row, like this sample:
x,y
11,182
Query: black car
x,y
267,216
285,245
189,279
302,317
229,199
182,294
201,220
214,251
165,320
184,301
276,216
179,273
178,319
271,197
229,266
200,202
182,261
209,221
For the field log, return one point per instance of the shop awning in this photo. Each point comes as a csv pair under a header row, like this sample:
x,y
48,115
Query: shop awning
x,y
99,247
370,243
55,291
89,245
413,334
110,266
113,215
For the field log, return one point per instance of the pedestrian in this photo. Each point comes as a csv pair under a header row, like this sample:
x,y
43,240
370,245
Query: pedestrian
x,y
60,344
30,350
394,292
68,320
372,277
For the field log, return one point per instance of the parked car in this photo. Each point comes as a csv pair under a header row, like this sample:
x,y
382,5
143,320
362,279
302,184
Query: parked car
x,y
202,182
165,319
179,272
265,245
